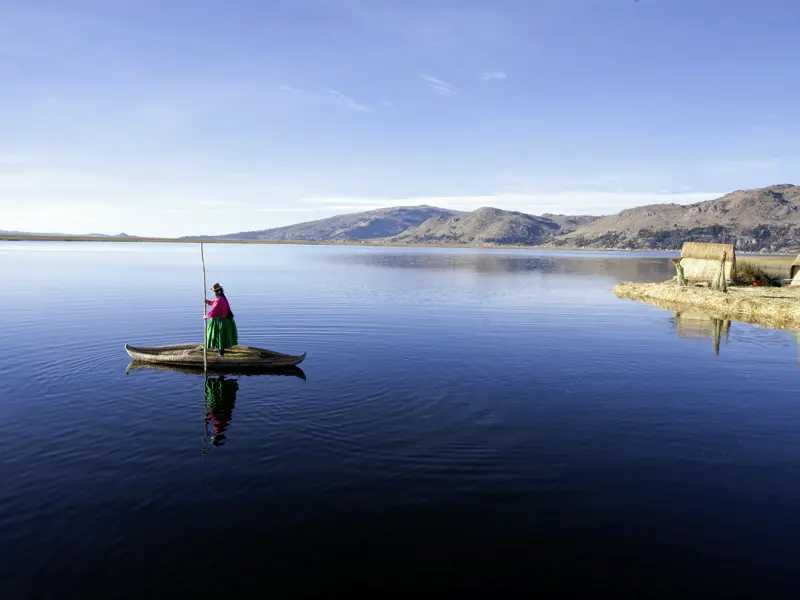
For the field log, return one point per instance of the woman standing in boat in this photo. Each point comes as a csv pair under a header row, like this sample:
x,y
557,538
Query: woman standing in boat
x,y
221,332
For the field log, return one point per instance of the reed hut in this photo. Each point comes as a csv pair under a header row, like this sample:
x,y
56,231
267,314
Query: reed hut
x,y
701,262
794,271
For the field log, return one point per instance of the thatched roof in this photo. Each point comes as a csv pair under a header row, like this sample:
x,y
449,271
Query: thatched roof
x,y
795,267
707,251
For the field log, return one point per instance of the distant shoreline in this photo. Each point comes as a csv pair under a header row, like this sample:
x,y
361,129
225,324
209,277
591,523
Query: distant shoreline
x,y
159,240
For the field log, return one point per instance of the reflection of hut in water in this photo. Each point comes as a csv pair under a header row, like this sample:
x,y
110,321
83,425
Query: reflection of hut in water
x,y
701,262
797,339
220,399
794,271
698,325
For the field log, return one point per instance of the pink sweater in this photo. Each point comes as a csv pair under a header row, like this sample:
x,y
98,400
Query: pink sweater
x,y
219,308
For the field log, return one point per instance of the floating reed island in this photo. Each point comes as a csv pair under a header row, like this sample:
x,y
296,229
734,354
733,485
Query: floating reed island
x,y
709,278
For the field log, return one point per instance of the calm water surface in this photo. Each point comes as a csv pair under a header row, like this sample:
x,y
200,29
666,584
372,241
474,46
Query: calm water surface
x,y
465,420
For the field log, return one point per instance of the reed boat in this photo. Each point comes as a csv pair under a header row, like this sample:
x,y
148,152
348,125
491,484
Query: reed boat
x,y
191,355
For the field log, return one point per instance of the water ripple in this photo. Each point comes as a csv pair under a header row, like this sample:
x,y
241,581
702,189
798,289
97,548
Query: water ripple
x,y
457,403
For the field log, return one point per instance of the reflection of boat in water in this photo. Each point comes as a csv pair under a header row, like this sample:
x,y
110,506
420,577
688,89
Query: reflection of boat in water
x,y
219,370
237,357
220,399
219,393
696,324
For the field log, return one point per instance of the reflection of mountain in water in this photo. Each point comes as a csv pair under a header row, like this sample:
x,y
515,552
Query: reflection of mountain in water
x,y
696,324
219,402
618,267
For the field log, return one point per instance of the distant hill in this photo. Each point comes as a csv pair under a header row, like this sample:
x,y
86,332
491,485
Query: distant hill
x,y
119,235
4,232
483,226
569,223
758,220
51,235
122,235
370,225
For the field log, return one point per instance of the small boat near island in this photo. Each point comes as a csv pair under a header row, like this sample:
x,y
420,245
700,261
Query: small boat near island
x,y
191,355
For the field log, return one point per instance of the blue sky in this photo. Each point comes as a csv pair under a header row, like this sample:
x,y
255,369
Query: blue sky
x,y
184,117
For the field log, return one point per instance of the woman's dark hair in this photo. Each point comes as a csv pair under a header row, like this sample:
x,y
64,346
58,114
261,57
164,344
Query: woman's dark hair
x,y
219,291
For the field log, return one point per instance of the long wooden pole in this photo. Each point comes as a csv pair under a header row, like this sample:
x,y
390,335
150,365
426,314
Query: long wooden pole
x,y
205,350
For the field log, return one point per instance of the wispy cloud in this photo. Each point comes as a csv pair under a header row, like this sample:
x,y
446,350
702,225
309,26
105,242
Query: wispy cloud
x,y
291,89
493,75
350,200
14,159
330,96
437,85
347,101
221,204
285,209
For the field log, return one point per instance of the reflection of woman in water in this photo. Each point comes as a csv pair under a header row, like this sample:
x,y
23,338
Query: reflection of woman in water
x,y
220,398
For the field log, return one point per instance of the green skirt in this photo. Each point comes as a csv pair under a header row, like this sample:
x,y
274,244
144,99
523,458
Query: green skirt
x,y
221,333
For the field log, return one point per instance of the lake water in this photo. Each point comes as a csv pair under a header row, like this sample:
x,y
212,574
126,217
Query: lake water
x,y
468,420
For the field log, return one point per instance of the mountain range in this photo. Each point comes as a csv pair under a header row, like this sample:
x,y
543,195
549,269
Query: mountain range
x,y
758,220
